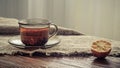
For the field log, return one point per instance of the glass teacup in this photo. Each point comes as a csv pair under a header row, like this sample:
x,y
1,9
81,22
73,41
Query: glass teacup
x,y
35,32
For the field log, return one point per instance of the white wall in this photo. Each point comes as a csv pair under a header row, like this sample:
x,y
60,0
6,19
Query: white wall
x,y
14,8
92,17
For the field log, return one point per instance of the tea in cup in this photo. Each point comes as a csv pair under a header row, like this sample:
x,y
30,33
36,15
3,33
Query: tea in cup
x,y
35,32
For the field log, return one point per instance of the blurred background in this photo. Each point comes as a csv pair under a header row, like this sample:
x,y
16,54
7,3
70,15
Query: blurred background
x,y
91,17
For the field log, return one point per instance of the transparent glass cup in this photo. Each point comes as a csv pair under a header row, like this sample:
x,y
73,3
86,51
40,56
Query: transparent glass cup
x,y
35,32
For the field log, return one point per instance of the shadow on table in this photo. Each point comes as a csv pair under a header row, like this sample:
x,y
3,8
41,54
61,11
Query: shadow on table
x,y
101,62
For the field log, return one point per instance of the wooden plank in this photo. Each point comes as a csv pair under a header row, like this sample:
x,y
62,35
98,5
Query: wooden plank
x,y
58,62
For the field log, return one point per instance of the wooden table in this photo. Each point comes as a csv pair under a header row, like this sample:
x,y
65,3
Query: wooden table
x,y
7,61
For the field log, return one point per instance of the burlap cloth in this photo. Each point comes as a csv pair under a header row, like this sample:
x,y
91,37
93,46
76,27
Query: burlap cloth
x,y
72,43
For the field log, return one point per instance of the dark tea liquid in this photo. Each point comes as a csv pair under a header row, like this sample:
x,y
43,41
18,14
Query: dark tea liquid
x,y
34,36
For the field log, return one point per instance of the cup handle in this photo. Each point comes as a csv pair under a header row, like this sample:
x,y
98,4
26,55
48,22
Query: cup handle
x,y
55,31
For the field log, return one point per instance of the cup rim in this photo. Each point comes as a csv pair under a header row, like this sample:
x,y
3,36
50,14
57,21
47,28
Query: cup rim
x,y
43,21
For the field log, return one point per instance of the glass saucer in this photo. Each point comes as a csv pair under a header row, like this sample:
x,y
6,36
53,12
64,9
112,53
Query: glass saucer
x,y
16,42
